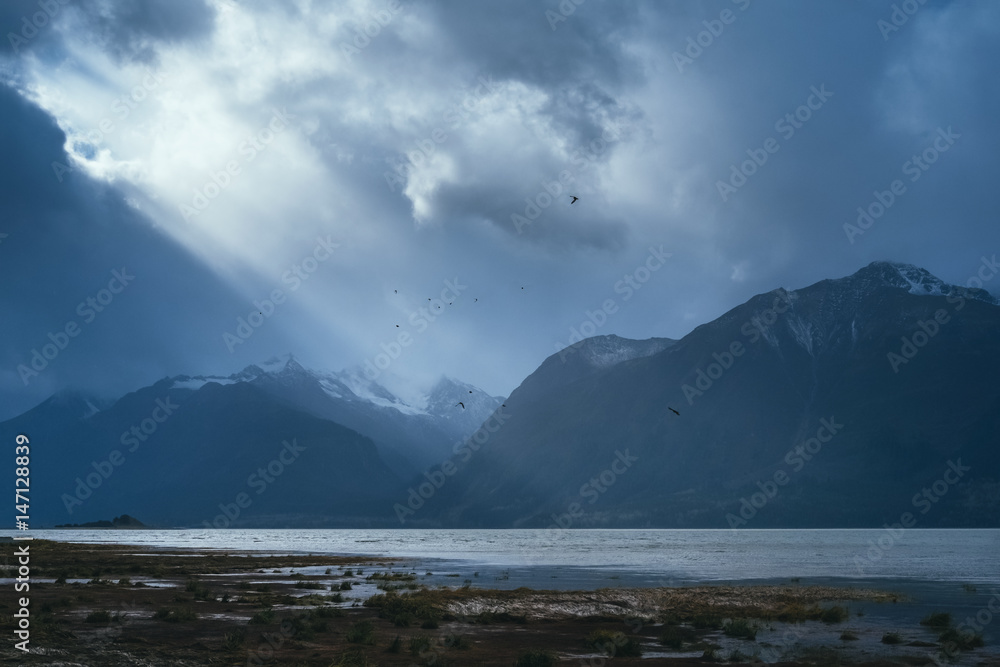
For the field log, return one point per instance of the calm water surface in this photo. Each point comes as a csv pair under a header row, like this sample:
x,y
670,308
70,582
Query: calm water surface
x,y
640,557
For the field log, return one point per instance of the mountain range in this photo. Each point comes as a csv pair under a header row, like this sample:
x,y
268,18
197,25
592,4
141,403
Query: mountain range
x,y
183,450
839,404
850,402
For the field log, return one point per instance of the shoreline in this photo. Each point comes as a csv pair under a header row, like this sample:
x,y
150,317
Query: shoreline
x,y
115,604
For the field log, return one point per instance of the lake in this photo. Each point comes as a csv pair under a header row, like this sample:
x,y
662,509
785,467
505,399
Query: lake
x,y
586,558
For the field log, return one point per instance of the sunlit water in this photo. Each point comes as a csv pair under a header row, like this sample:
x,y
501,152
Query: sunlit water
x,y
640,557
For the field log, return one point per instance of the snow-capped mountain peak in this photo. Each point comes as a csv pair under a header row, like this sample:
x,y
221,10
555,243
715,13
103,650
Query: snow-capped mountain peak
x,y
352,385
920,281
915,280
413,427
364,388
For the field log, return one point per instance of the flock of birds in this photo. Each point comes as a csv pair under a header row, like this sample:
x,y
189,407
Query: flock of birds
x,y
460,403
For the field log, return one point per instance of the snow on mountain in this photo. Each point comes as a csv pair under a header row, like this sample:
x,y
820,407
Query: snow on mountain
x,y
914,280
803,332
361,387
843,295
199,382
606,351
920,280
276,364
443,402
352,385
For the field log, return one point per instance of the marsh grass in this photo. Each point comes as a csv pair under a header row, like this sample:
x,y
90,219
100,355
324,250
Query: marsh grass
x,y
675,637
362,632
536,659
938,619
614,643
964,641
741,628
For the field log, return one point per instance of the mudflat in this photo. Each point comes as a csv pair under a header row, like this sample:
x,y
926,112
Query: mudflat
x,y
126,605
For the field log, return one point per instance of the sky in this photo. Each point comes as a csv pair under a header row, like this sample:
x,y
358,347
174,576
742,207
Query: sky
x,y
193,186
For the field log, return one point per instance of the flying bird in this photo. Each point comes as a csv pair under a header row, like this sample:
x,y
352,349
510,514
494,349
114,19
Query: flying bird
x,y
397,326
574,199
395,291
462,404
470,391
674,411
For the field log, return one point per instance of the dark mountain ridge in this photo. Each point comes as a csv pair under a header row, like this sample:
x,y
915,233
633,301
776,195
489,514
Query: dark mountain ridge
x,y
754,387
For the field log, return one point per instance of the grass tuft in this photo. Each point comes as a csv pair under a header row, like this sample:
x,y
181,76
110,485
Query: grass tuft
x,y
98,617
964,641
362,632
234,640
939,619
535,659
741,628
614,643
674,636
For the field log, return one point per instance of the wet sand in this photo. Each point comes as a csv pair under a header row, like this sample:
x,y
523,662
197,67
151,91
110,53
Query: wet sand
x,y
126,605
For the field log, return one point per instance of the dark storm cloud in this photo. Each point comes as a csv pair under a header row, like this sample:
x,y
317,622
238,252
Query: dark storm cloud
x,y
599,98
515,40
130,29
580,69
785,224
27,24
64,242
